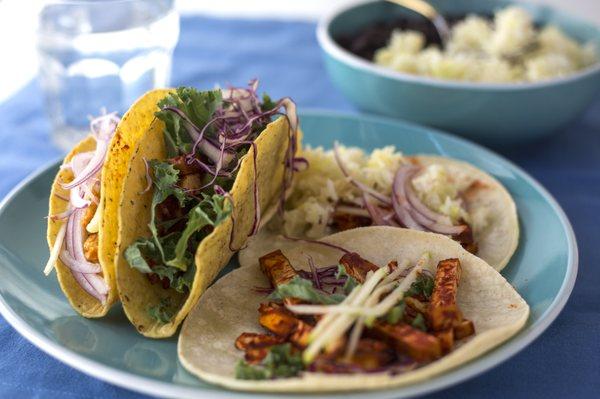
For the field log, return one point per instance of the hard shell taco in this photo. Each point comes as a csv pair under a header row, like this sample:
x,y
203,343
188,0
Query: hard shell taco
x,y
82,222
212,167
391,306
346,188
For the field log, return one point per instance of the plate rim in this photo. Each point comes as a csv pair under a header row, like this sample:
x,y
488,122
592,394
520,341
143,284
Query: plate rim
x,y
150,386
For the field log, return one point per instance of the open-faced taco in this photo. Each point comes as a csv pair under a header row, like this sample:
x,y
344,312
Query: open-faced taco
x,y
346,188
209,170
82,222
389,305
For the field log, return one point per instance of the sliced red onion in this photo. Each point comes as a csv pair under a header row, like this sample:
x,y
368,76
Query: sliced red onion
x,y
79,161
315,274
361,186
77,235
76,198
89,282
437,227
300,164
409,215
399,202
215,153
104,126
376,213
93,166
63,215
416,203
79,266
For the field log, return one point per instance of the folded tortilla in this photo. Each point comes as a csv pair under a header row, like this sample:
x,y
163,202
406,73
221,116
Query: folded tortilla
x,y
132,126
214,252
229,307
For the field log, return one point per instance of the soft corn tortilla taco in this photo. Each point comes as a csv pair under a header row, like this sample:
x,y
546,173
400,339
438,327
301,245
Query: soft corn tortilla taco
x,y
95,200
179,225
228,310
421,192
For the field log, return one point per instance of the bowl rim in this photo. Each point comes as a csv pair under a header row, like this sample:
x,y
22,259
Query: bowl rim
x,y
331,47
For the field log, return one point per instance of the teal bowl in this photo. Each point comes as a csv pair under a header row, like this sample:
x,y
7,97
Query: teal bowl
x,y
488,113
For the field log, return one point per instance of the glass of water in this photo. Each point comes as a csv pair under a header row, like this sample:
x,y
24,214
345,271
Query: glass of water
x,y
98,55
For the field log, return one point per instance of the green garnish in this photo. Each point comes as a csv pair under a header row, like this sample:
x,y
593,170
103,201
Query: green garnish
x,y
303,289
419,322
423,286
198,106
162,312
172,254
281,361
396,313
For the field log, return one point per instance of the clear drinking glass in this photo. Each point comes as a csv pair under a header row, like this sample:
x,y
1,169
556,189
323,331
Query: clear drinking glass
x,y
101,55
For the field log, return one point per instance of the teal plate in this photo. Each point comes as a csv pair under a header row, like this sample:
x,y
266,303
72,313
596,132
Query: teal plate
x,y
543,271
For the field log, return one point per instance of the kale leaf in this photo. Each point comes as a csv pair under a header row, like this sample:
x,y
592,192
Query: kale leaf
x,y
198,106
419,322
281,361
303,289
396,313
423,286
211,211
162,312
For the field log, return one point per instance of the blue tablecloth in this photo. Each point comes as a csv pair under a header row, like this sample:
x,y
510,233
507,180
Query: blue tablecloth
x,y
563,362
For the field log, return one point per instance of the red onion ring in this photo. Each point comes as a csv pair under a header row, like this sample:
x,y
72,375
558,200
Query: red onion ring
x,y
361,186
399,202
376,214
416,203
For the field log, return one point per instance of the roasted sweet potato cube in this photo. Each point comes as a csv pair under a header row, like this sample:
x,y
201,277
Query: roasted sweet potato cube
x,y
256,340
443,311
301,334
446,338
356,266
341,221
466,239
277,268
90,248
279,322
372,354
416,305
408,340
256,355
464,329
266,307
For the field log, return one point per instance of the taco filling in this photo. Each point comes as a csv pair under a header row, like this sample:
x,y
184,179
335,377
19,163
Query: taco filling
x,y
207,134
76,244
355,317
345,188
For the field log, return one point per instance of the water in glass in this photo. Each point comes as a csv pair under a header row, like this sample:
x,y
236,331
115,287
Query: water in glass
x,y
102,54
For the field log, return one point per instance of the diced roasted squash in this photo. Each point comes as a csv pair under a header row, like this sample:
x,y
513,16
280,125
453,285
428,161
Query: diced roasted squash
x,y
372,354
408,340
344,221
356,266
279,322
446,338
256,340
90,248
256,355
464,329
277,268
416,305
443,311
